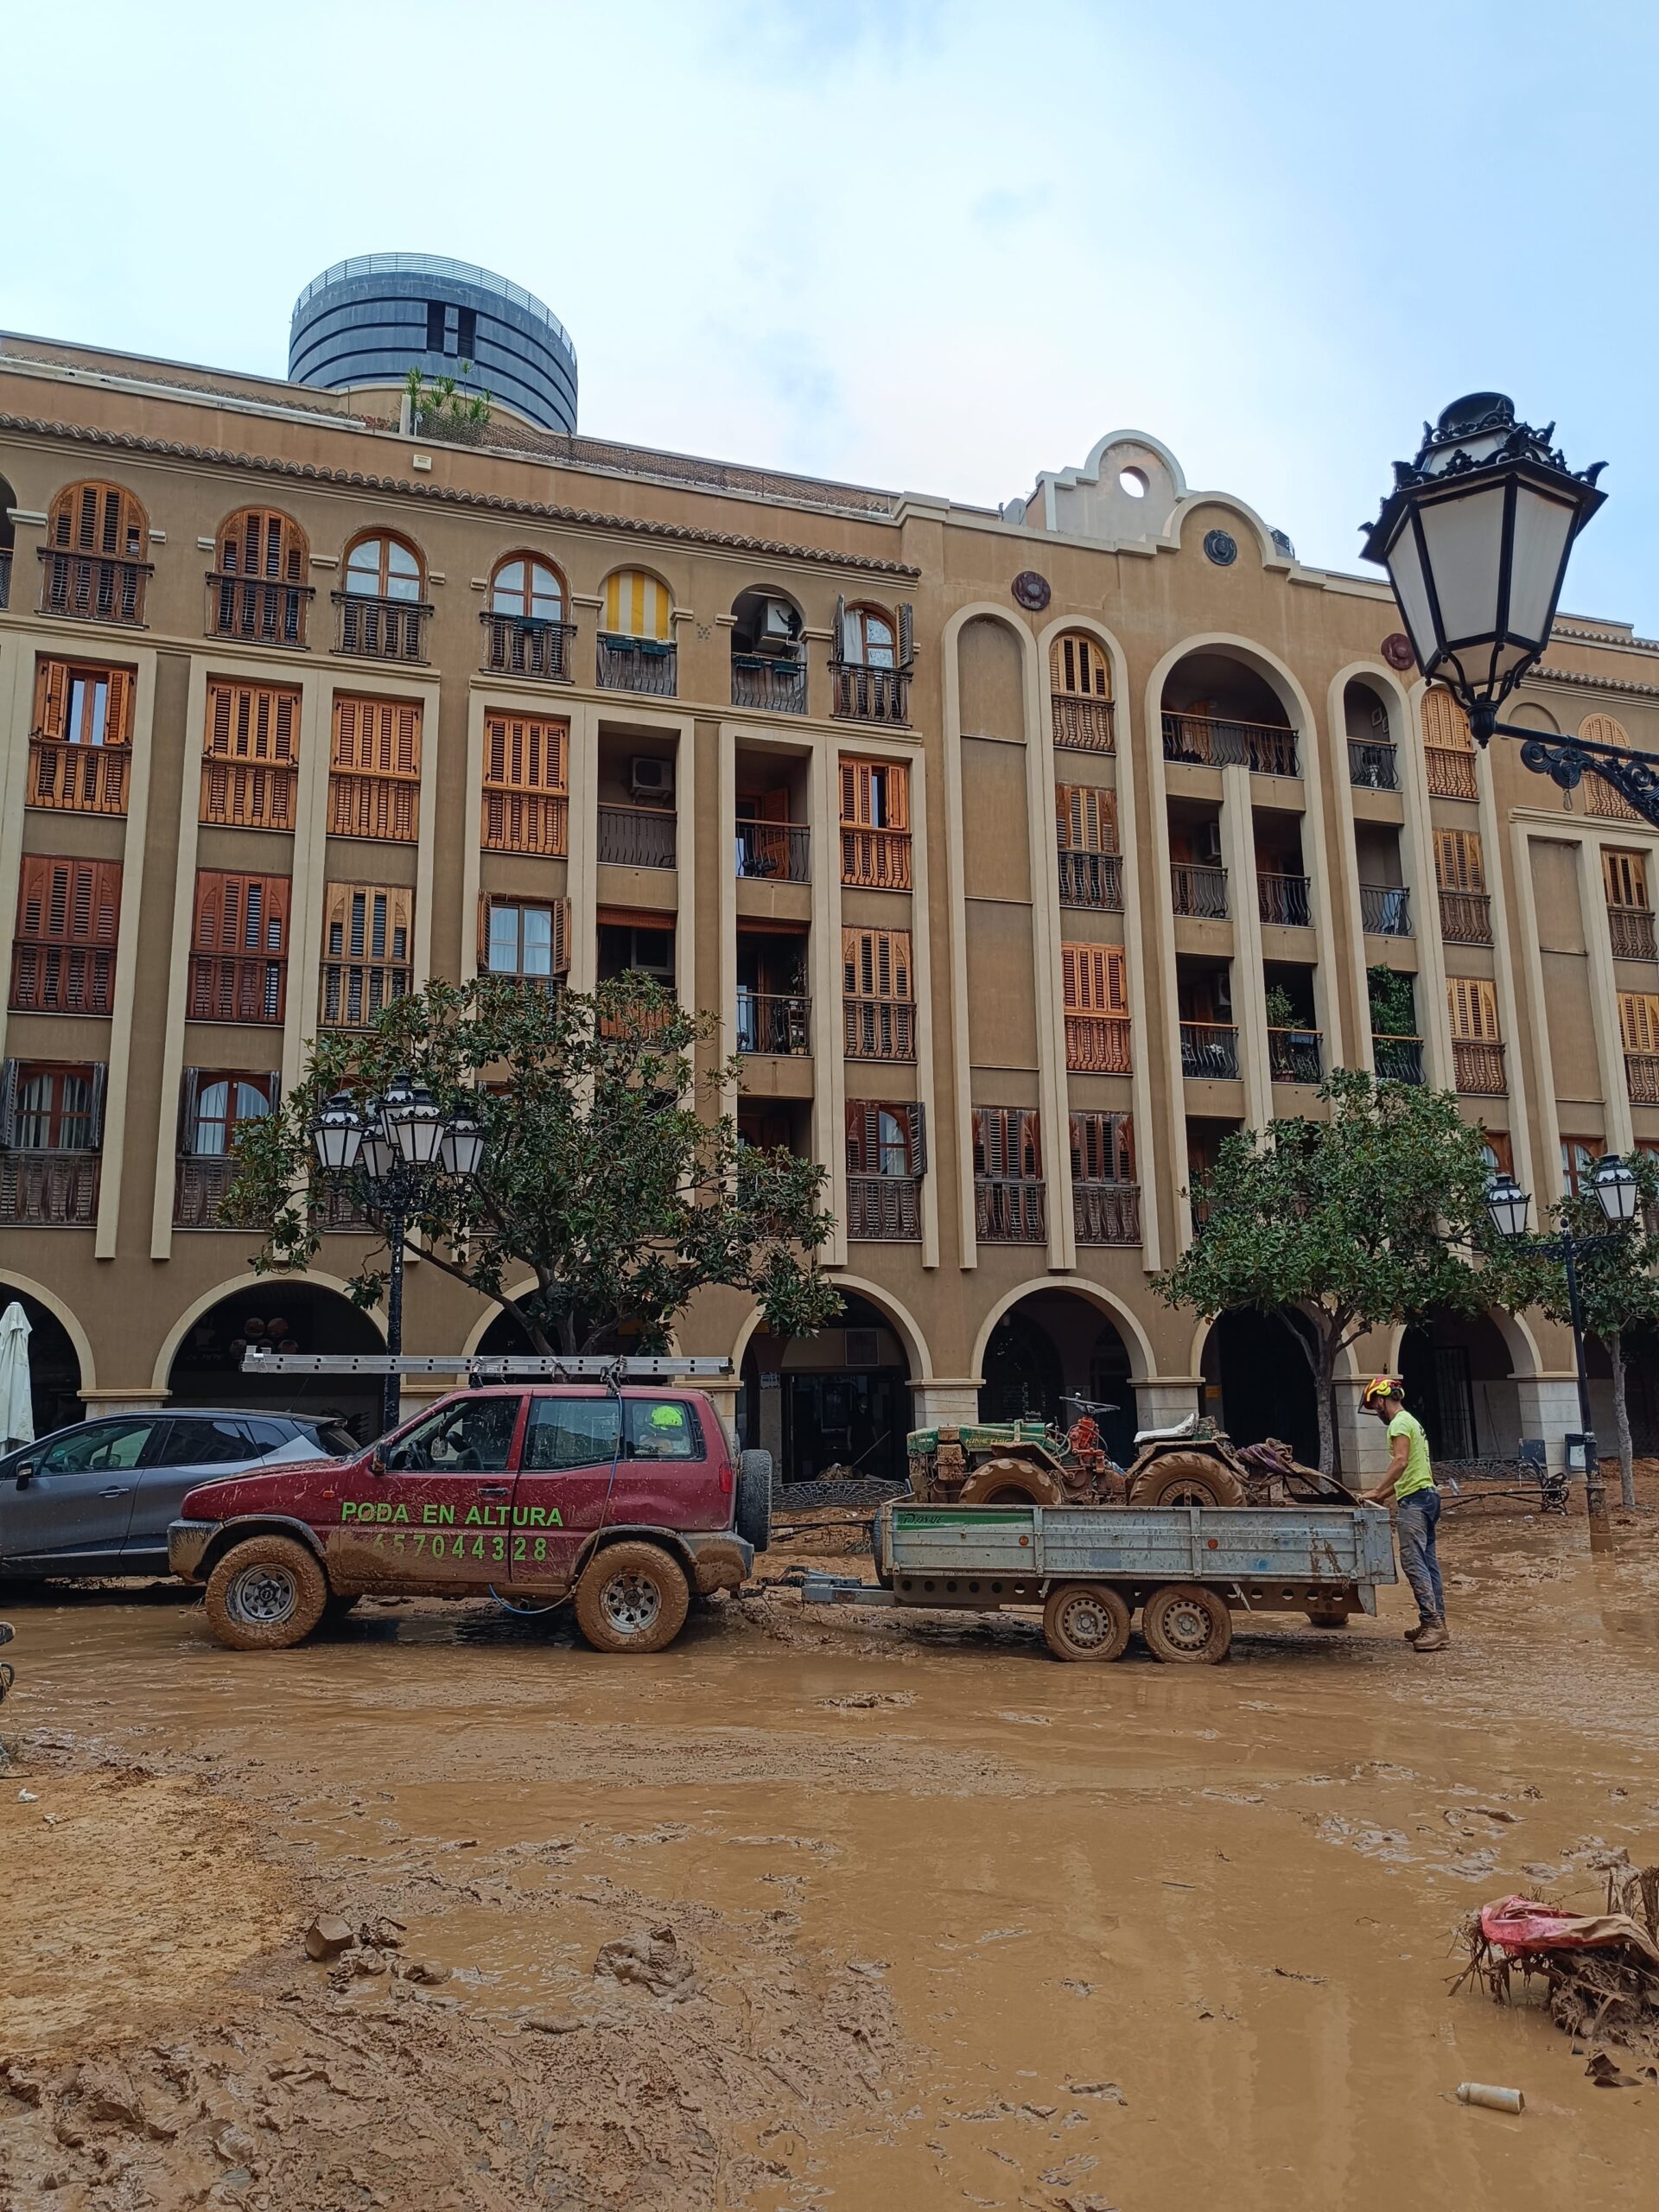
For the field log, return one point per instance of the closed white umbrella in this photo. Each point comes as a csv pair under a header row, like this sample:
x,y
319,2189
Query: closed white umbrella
x,y
16,1398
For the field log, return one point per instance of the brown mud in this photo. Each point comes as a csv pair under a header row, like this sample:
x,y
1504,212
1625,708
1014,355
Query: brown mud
x,y
950,1923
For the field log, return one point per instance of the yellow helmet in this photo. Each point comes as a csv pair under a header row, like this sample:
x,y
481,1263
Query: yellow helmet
x,y
1380,1387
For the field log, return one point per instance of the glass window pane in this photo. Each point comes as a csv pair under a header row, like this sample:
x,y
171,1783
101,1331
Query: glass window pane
x,y
662,1428
74,1113
251,1101
504,940
469,1436
204,1443
363,567
403,572
537,942
508,596
99,1445
570,1432
34,1123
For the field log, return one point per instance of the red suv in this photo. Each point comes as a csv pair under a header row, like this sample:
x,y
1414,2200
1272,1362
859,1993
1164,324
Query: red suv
x,y
631,1498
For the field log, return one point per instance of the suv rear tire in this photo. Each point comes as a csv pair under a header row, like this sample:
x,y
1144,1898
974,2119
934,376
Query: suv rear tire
x,y
752,1519
631,1598
266,1594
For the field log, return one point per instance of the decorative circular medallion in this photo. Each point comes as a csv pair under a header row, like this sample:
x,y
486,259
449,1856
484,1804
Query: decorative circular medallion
x,y
1396,651
1221,549
1031,590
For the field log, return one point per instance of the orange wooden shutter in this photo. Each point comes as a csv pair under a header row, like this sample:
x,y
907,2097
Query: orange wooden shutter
x,y
52,699
1459,864
1086,818
1472,1004
69,902
241,915
1078,666
1638,1021
1626,878
1102,1150
524,782
378,737
1604,729
263,542
856,801
875,963
1094,978
117,711
897,781
97,519
1445,722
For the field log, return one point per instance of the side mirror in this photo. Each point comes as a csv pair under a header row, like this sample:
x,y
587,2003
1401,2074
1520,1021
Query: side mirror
x,y
25,1474
377,1464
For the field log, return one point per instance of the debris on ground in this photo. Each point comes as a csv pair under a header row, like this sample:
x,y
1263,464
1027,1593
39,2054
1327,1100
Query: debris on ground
x,y
655,1962
1600,1971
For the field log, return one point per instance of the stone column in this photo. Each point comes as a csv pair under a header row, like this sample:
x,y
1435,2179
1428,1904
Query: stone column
x,y
1362,1439
942,1401
1549,1408
1165,1400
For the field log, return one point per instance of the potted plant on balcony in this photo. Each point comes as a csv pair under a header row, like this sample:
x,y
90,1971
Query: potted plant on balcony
x,y
441,409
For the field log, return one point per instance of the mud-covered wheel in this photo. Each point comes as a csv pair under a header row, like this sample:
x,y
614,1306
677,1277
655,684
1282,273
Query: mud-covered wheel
x,y
752,1519
265,1594
1187,1625
1187,1479
631,1598
1326,1612
1085,1620
1012,1482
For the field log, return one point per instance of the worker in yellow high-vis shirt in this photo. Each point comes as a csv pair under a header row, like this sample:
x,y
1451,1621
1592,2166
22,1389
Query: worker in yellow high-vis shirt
x,y
1410,1481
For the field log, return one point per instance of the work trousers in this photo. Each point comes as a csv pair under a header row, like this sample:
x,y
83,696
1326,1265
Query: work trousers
x,y
1414,1521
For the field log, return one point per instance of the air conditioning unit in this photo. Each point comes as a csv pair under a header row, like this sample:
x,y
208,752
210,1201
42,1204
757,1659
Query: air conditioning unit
x,y
1206,843
650,778
1223,998
775,632
862,1347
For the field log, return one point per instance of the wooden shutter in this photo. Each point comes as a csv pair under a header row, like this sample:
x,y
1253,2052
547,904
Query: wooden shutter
x,y
69,902
863,1145
1078,665
1638,1021
241,915
1626,878
1086,817
378,737
525,769
1472,1004
101,1075
263,542
1007,1143
1102,1149
9,1101
914,1117
1094,978
559,909
907,635
52,699
249,755
858,786
875,963
1445,722
1459,864
53,682
97,519
1604,729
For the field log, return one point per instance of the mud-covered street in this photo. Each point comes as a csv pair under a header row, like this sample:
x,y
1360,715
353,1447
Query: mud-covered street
x,y
952,1923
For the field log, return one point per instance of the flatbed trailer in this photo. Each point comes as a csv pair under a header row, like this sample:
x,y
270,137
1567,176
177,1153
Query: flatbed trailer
x,y
1186,1568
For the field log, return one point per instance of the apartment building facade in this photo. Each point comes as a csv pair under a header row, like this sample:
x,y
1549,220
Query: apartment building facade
x,y
1020,855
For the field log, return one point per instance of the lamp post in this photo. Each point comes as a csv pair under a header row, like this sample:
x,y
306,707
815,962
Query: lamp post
x,y
1475,536
1617,1190
389,1155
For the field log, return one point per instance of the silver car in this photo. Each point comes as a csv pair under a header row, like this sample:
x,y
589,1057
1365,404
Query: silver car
x,y
97,1499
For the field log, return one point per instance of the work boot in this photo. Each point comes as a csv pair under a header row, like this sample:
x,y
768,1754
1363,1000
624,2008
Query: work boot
x,y
1432,1637
1421,1629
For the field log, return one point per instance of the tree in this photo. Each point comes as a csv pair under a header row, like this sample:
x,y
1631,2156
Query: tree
x,y
1375,1214
601,1177
1394,1002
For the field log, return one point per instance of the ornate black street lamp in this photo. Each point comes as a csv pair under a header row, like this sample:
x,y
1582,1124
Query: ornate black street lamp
x,y
389,1157
1475,536
1619,1194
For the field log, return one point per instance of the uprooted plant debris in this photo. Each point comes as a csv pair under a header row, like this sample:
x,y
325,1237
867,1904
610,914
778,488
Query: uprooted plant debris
x,y
1600,1972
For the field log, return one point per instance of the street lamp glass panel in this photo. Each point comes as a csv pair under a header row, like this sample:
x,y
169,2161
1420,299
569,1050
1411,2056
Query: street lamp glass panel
x,y
379,1155
1543,534
396,1098
337,1135
463,1146
1617,1189
417,1127
1508,1204
1464,537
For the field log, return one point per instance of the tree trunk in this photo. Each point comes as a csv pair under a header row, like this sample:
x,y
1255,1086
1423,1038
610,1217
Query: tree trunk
x,y
1324,1378
1615,1342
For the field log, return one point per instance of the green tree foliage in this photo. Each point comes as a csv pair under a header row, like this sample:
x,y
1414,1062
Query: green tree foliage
x,y
1377,1213
1394,1003
610,1175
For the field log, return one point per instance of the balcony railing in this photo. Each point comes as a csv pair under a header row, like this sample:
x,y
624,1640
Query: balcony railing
x,y
1478,1068
5,577
261,609
777,852
92,586
49,1189
380,629
1107,1213
1009,1209
1214,742
1097,1043
638,664
635,837
1372,767
1385,909
879,1029
1199,891
527,822
251,794
384,807
354,991
525,644
198,1190
774,1022
1466,917
776,686
1210,1050
868,695
62,978
1083,725
1603,798
1295,1055
1092,880
77,779
1398,1059
1631,931
1450,771
1282,900
1642,1078
231,987
877,859
883,1209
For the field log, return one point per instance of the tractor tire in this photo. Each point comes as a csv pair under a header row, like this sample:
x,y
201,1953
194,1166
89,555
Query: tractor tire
x,y
1085,1620
752,1519
1186,1625
1012,1482
1187,1479
631,1598
266,1594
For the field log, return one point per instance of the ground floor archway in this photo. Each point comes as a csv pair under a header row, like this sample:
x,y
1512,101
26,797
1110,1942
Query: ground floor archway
x,y
289,1314
1053,1346
839,1399
1460,1380
1258,1383
55,1374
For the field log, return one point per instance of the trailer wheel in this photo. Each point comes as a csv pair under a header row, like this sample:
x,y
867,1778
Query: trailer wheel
x,y
1187,1625
631,1598
266,1594
1012,1482
1085,1620
1187,1479
752,1519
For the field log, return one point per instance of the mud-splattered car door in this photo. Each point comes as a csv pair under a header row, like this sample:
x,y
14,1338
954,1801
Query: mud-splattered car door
x,y
568,1474
438,1516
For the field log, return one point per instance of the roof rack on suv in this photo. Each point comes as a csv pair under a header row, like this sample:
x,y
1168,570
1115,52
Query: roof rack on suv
x,y
479,1367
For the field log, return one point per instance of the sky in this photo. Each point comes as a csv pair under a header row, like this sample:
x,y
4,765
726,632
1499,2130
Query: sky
x,y
932,245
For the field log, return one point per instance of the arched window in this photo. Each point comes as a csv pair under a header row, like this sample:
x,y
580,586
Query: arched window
x,y
221,1105
382,614
382,567
527,587
97,519
1444,721
93,557
260,588
1604,729
1601,798
1079,668
869,639
636,606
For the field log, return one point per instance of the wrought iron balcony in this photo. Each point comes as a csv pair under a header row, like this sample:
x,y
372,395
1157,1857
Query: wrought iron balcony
x,y
1398,1059
638,664
1282,900
1083,725
879,1029
1466,917
260,609
868,695
199,1189
1450,771
5,575
776,852
635,837
526,645
1642,1076
1217,742
95,587
1385,909
380,629
883,1209
774,684
236,988
1009,1209
878,860
1631,931
77,779
49,1189
1372,767
1092,880
1097,1043
1210,1050
1200,893
774,1022
1106,1213
1478,1068
1295,1055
